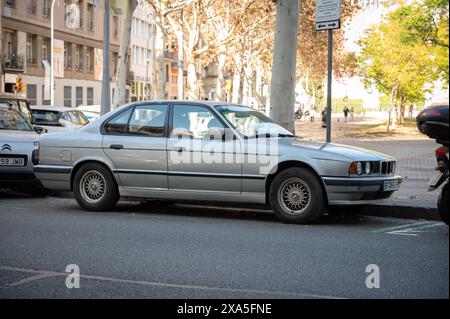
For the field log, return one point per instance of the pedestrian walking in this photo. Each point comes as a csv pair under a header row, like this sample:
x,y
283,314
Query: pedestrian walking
x,y
346,111
324,117
411,110
352,113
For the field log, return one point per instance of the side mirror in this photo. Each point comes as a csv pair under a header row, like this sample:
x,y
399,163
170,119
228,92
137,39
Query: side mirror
x,y
40,129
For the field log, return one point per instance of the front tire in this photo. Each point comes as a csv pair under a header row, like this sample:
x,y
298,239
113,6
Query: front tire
x,y
95,188
296,196
443,204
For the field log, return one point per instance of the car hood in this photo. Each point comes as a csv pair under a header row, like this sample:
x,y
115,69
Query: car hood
x,y
330,151
13,136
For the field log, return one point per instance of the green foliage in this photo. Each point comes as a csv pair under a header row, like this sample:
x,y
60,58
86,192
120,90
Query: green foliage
x,y
427,23
393,63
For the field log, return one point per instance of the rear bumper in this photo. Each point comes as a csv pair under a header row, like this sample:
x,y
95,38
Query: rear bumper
x,y
54,177
356,191
19,180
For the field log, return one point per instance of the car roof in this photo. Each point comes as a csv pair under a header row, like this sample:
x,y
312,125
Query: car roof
x,y
52,108
11,96
209,103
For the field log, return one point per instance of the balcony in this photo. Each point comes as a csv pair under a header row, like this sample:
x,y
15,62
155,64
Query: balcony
x,y
14,64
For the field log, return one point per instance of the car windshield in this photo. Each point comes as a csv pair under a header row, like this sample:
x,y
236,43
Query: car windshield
x,y
13,120
250,122
45,117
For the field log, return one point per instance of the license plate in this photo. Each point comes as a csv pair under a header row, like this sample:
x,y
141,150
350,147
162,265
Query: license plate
x,y
435,179
12,161
390,186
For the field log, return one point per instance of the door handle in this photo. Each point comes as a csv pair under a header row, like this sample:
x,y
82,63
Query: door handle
x,y
178,149
116,146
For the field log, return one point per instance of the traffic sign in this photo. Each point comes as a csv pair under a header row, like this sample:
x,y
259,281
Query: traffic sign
x,y
328,14
328,25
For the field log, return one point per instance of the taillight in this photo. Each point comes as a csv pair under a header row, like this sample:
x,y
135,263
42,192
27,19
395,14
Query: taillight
x,y
36,154
432,112
441,155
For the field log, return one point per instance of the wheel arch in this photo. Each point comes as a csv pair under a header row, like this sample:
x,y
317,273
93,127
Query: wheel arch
x,y
83,162
288,164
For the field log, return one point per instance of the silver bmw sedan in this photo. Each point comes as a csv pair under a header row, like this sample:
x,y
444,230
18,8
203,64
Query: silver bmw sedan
x,y
209,151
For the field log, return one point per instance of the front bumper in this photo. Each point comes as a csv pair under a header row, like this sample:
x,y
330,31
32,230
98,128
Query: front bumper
x,y
357,190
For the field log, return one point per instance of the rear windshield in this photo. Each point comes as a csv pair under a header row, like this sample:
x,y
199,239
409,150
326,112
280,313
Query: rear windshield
x,y
21,106
13,120
45,117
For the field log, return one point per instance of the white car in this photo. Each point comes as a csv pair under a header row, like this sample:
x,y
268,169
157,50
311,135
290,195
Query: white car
x,y
92,112
58,119
19,151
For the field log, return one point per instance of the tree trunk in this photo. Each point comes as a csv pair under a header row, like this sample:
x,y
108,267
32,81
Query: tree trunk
x,y
247,87
160,72
220,86
122,65
392,117
284,63
192,81
402,110
236,84
180,38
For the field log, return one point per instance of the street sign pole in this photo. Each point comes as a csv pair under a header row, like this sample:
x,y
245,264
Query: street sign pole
x,y
329,82
328,15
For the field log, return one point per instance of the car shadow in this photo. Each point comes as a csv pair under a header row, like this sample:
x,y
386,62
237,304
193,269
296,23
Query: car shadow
x,y
230,211
258,213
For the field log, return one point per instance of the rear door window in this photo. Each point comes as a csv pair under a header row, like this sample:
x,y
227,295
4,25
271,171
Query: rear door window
x,y
148,120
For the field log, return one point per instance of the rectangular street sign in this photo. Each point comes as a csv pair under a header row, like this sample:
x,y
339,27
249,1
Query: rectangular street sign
x,y
328,25
328,11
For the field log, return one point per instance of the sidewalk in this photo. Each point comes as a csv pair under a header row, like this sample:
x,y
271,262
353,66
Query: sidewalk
x,y
414,153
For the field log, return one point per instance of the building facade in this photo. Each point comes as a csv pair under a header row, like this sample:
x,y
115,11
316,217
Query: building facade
x,y
77,53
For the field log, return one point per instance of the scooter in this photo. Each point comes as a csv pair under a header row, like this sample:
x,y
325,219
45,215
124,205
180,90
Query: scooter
x,y
440,177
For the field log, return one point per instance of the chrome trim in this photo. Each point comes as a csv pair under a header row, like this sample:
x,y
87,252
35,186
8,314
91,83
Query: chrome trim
x,y
187,174
353,181
57,169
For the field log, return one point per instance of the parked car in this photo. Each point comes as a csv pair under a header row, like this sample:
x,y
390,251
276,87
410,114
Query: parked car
x,y
19,150
18,102
92,112
433,122
58,119
210,151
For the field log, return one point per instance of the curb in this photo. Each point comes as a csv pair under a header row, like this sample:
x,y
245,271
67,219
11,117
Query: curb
x,y
409,212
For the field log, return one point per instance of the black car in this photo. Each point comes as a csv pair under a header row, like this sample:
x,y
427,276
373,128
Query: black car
x,y
433,122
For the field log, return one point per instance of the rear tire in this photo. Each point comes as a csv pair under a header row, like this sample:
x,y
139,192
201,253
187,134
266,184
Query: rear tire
x,y
296,196
443,204
95,188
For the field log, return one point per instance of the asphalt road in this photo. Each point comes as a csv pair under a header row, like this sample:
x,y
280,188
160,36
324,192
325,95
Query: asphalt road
x,y
181,251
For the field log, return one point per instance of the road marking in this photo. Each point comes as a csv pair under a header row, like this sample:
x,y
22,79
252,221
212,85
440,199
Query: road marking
x,y
33,278
386,229
413,231
40,274
410,229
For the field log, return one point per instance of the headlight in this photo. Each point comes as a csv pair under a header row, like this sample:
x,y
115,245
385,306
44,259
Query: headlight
x,y
359,168
367,168
393,167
